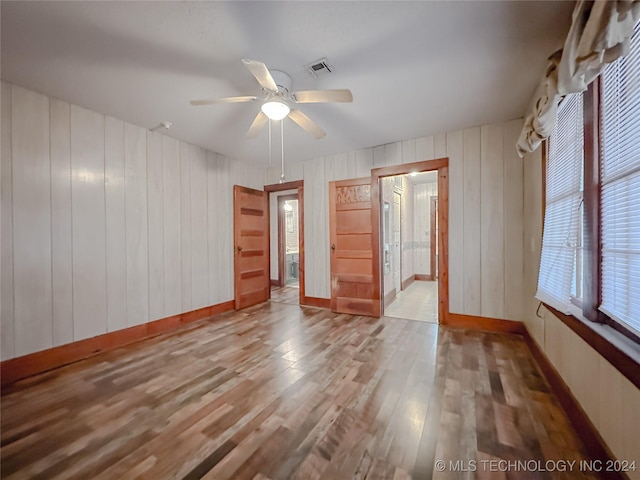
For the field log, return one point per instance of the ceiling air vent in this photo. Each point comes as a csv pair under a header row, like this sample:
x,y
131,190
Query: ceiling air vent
x,y
319,68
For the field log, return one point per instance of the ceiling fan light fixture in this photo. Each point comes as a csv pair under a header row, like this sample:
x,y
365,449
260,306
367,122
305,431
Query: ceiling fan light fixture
x,y
275,109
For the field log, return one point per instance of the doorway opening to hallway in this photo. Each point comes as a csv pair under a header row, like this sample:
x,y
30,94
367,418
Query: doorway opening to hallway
x,y
285,246
409,246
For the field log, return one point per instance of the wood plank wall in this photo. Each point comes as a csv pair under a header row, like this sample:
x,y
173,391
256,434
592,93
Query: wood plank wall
x,y
485,212
105,225
608,398
114,213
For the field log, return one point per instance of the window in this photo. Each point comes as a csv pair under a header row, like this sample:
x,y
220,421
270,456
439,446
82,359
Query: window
x,y
620,188
561,235
591,239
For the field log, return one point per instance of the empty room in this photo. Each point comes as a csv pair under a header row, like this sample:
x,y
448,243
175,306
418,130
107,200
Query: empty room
x,y
320,240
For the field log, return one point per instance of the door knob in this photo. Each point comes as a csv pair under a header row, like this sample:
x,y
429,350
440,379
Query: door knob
x,y
333,247
239,248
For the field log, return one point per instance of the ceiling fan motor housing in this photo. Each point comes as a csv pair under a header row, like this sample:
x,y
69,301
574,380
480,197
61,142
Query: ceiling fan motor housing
x,y
283,81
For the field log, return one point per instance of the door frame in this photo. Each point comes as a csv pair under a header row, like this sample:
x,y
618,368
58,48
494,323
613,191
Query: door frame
x,y
282,236
441,165
293,185
433,200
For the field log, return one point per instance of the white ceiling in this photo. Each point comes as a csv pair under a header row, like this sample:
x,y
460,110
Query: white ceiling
x,y
415,68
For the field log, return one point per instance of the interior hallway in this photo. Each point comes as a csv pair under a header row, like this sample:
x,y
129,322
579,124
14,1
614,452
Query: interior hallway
x,y
279,391
288,294
419,301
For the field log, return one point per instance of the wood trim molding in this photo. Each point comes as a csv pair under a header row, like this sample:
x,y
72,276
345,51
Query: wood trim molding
x,y
389,297
422,277
443,243
617,357
279,187
279,241
274,282
376,238
406,168
316,302
593,442
301,281
39,362
408,281
487,324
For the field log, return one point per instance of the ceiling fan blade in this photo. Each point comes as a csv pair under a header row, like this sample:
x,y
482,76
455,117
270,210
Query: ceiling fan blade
x,y
323,96
307,124
257,125
213,101
261,72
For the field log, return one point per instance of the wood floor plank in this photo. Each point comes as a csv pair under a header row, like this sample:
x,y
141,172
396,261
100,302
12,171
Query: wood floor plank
x,y
278,391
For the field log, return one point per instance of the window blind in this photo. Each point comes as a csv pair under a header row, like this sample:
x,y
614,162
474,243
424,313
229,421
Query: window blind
x,y
620,193
562,206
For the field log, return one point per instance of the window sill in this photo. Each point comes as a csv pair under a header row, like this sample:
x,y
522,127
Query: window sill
x,y
620,351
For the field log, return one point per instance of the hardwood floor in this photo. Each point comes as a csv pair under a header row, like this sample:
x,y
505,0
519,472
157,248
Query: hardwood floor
x,y
277,391
287,294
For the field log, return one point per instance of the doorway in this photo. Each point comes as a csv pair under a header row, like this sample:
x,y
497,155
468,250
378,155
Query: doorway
x,y
413,254
286,226
409,287
288,242
396,257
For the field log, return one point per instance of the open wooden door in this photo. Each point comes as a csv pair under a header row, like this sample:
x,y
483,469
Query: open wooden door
x,y
352,241
251,246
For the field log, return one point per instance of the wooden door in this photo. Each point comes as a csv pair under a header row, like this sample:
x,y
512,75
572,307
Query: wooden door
x,y
251,246
352,237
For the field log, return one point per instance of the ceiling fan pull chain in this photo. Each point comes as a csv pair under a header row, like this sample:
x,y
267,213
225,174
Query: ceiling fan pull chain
x,y
282,150
269,142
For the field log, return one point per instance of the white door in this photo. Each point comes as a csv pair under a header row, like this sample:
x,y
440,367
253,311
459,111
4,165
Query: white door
x,y
396,250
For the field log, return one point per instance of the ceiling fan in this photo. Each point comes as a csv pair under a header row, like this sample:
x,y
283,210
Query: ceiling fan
x,y
277,96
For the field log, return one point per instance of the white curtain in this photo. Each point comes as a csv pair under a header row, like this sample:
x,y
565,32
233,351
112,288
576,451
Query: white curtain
x,y
599,34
